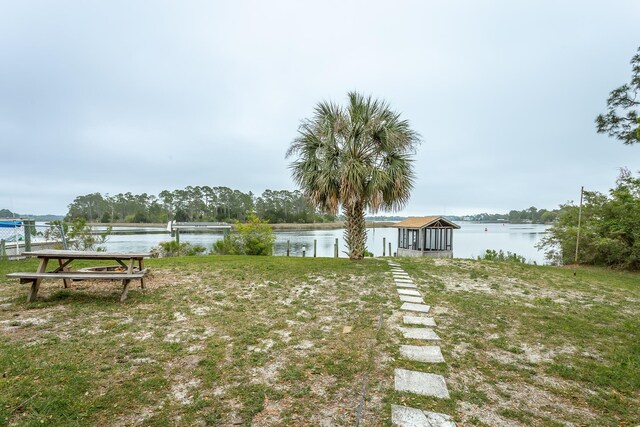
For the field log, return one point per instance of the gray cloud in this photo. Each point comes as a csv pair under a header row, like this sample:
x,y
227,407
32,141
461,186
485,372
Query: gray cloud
x,y
145,96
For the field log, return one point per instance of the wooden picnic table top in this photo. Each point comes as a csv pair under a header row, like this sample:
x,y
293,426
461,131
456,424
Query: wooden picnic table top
x,y
66,254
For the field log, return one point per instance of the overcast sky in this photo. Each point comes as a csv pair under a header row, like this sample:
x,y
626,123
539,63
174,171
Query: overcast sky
x,y
139,96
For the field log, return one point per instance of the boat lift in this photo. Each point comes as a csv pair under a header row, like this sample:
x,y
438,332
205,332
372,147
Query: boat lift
x,y
174,227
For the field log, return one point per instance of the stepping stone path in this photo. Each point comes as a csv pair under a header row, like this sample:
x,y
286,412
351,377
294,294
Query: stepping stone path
x,y
409,292
407,298
403,416
406,285
422,353
410,306
418,320
420,334
422,383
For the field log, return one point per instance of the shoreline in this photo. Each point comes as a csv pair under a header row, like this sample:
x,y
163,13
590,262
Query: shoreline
x,y
280,226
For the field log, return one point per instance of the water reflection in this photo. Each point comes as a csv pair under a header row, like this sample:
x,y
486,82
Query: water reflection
x,y
470,241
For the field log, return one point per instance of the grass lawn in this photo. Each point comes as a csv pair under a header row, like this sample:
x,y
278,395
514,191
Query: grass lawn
x,y
261,341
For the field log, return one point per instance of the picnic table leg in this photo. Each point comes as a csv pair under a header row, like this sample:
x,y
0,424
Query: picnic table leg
x,y
141,267
125,288
67,282
35,285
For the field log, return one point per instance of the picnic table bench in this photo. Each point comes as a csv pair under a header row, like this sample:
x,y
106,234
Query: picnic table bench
x,y
130,267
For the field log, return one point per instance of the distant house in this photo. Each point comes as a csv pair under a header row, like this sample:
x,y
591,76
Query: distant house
x,y
430,236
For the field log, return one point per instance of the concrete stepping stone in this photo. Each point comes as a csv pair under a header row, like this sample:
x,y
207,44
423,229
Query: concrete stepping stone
x,y
418,320
420,308
422,353
406,285
421,383
403,416
419,334
400,274
401,280
407,298
409,292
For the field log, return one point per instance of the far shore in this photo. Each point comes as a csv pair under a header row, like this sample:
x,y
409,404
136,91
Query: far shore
x,y
284,226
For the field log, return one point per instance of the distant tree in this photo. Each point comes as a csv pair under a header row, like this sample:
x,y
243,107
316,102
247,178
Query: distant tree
x,y
621,120
195,203
106,217
6,213
140,217
356,158
181,215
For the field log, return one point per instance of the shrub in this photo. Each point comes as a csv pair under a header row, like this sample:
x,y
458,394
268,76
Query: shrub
x,y
173,248
255,237
492,255
78,235
230,245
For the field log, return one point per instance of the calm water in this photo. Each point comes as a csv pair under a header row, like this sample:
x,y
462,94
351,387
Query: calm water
x,y
468,242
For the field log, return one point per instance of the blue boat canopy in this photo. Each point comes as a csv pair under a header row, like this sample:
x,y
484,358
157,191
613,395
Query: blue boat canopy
x,y
10,224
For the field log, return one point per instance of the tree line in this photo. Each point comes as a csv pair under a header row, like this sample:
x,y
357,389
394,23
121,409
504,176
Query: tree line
x,y
199,203
531,215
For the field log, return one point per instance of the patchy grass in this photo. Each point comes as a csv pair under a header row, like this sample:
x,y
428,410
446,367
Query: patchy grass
x,y
211,341
259,341
528,345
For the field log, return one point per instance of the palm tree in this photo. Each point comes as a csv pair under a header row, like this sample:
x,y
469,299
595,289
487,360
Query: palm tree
x,y
357,158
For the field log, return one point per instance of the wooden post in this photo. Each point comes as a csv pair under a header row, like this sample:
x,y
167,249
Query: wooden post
x,y
304,250
3,250
27,225
384,246
335,249
177,240
390,249
288,247
315,246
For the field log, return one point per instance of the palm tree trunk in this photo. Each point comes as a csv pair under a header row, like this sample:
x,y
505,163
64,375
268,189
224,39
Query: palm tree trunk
x,y
355,233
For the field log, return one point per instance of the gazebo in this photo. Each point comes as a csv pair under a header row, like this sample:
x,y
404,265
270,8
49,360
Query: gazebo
x,y
430,236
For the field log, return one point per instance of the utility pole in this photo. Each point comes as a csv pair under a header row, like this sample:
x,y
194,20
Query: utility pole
x,y
578,234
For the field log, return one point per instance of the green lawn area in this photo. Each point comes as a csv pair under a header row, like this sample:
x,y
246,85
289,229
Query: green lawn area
x,y
260,341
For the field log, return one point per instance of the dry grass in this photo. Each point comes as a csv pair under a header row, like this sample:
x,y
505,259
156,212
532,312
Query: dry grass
x,y
533,345
261,341
211,341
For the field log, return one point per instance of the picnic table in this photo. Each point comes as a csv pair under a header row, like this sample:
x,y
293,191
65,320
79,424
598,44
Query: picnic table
x,y
130,267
